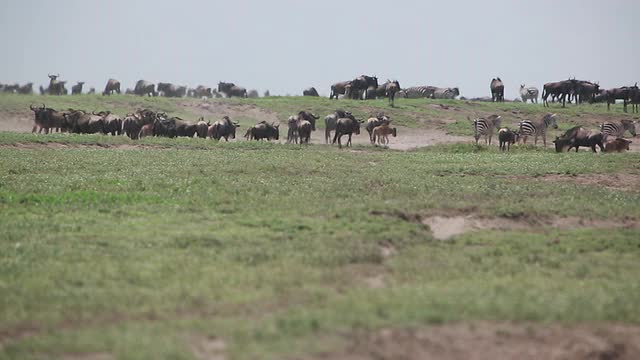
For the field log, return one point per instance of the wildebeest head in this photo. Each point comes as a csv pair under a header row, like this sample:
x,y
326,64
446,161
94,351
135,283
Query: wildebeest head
x,y
53,77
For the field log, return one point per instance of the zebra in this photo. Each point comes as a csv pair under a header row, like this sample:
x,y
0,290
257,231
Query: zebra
x,y
618,129
537,128
528,93
485,127
417,92
445,93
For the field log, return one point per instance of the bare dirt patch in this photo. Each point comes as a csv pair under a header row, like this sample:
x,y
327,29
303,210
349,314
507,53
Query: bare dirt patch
x,y
446,227
627,182
208,348
490,341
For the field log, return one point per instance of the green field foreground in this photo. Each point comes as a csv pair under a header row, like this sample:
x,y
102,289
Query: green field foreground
x,y
278,250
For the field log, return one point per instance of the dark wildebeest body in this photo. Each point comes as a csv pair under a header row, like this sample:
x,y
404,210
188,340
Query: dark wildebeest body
x,y
201,92
25,89
330,122
578,136
339,88
497,90
624,93
112,86
374,122
617,145
223,128
47,119
81,122
361,84
346,126
506,137
145,88
112,124
264,130
310,92
391,89
77,88
231,90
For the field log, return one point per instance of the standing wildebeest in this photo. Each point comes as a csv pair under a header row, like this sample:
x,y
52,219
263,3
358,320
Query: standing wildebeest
x,y
47,119
202,128
92,91
537,128
382,133
81,122
624,93
617,145
201,92
145,88
391,89
112,124
339,88
264,130
330,122
231,90
56,87
506,137
112,85
171,90
77,88
346,126
361,84
485,127
310,92
497,90
585,91
224,128
132,124
301,126
528,93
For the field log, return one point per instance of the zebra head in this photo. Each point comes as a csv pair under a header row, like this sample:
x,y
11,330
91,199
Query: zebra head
x,y
551,120
629,125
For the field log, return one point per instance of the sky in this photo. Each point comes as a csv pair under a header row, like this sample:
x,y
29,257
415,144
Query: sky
x,y
286,46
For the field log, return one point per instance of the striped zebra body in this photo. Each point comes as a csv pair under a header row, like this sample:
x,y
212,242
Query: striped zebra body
x,y
537,128
617,130
418,92
486,127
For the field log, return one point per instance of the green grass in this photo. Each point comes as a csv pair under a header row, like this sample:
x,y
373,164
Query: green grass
x,y
138,252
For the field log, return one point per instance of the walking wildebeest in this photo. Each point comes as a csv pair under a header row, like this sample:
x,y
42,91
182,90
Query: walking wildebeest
x,y
112,85
143,88
231,90
77,88
224,128
497,90
346,126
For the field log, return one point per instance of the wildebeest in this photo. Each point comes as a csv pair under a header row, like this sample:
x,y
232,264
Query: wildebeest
x,y
56,87
585,91
171,90
112,86
346,126
80,122
330,122
132,124
144,87
231,90
310,92
578,136
112,124
224,128
77,88
528,93
497,90
339,88
201,92
92,91
173,127
506,137
391,89
301,126
373,122
253,94
202,128
264,130
360,85
617,145
382,133
624,93
47,119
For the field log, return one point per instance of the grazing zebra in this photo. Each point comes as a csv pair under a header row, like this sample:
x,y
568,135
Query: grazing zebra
x,y
618,129
537,128
485,127
417,92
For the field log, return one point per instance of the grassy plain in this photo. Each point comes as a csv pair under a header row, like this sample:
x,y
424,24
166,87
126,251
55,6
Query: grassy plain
x,y
145,252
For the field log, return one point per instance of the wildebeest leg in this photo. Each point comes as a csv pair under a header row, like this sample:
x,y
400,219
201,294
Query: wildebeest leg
x,y
349,142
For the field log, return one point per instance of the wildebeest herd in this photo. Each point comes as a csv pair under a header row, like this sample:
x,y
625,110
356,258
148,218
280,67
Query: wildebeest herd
x,y
362,87
145,122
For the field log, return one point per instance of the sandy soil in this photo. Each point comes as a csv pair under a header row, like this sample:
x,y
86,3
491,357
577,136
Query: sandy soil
x,y
491,341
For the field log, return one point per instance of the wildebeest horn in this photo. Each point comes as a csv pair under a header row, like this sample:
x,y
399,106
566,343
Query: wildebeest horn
x,y
31,107
94,113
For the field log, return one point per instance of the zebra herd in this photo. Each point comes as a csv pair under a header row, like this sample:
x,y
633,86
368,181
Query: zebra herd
x,y
610,132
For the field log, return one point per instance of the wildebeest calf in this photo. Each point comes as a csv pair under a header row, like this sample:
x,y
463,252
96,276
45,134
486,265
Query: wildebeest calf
x,y
617,145
507,137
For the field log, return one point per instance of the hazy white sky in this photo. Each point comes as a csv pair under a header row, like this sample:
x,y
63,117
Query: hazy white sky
x,y
287,45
